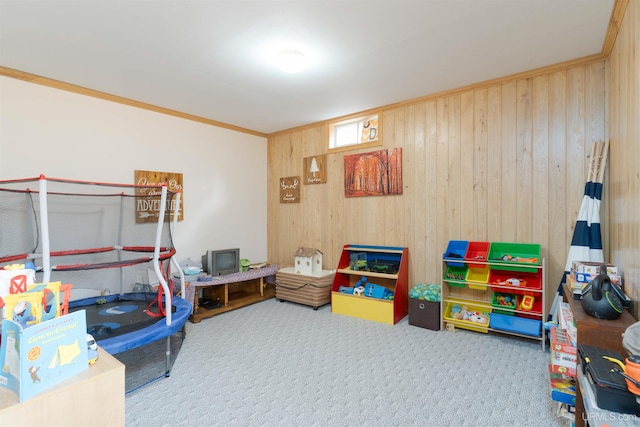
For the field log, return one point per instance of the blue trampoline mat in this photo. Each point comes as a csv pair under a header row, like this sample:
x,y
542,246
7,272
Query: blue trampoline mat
x,y
122,323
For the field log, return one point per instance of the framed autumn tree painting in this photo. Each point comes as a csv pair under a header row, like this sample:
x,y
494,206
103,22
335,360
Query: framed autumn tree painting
x,y
378,173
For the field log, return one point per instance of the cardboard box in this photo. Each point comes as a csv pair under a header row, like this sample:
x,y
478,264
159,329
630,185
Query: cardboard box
x,y
585,278
566,321
574,284
563,353
563,388
593,268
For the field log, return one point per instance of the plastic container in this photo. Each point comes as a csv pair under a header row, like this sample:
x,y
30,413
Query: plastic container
x,y
455,276
477,277
477,251
456,250
500,281
504,303
515,256
515,324
467,316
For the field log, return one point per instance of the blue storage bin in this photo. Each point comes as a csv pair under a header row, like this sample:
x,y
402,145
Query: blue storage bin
x,y
456,250
517,325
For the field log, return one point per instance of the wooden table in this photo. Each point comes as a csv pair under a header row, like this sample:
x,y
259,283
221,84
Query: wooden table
x,y
231,290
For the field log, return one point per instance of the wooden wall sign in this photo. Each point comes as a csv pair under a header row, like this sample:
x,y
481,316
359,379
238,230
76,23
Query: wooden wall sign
x,y
290,189
315,169
378,173
148,207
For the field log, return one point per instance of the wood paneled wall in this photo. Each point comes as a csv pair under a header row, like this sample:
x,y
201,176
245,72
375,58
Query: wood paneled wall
x,y
624,130
506,161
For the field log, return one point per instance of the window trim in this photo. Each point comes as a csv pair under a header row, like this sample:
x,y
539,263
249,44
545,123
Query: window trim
x,y
361,117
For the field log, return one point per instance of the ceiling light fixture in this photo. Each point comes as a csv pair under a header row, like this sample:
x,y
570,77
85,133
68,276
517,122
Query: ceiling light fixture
x,y
291,61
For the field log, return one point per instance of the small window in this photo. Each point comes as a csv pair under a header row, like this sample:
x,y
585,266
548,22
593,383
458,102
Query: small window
x,y
354,133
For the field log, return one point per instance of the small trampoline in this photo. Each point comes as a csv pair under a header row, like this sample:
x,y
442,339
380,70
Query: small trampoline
x,y
103,240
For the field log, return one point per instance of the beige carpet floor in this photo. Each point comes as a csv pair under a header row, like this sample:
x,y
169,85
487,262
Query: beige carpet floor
x,y
284,364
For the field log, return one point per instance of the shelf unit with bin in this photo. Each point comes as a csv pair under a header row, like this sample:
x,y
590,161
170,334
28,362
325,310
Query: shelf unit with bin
x,y
394,278
494,287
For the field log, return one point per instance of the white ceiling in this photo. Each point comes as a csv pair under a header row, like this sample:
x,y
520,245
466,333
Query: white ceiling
x,y
213,59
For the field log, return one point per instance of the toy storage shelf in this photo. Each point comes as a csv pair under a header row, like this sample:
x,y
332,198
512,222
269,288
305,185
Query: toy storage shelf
x,y
390,265
508,297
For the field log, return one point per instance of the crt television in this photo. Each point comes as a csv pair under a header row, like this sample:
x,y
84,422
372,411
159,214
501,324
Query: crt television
x,y
222,261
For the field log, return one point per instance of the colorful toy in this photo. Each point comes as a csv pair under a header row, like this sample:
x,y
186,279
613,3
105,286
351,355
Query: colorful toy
x,y
24,308
504,300
475,317
513,282
526,303
363,288
359,286
462,313
376,291
92,349
455,275
456,311
519,259
38,303
387,267
358,261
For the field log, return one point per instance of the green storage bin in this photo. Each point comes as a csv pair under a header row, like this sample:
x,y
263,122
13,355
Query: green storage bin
x,y
500,304
515,256
455,276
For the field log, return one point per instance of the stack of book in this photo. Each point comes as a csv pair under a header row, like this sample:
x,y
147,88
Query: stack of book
x,y
562,370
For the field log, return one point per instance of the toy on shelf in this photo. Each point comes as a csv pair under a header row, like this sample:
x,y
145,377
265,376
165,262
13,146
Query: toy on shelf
x,y
463,313
387,267
376,291
504,300
371,290
456,273
510,258
358,261
512,282
359,287
526,303
28,303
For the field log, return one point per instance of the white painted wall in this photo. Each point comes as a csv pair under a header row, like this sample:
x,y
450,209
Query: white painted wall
x,y
65,135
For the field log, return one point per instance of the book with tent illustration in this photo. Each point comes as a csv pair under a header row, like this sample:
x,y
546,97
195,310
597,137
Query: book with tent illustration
x,y
36,357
